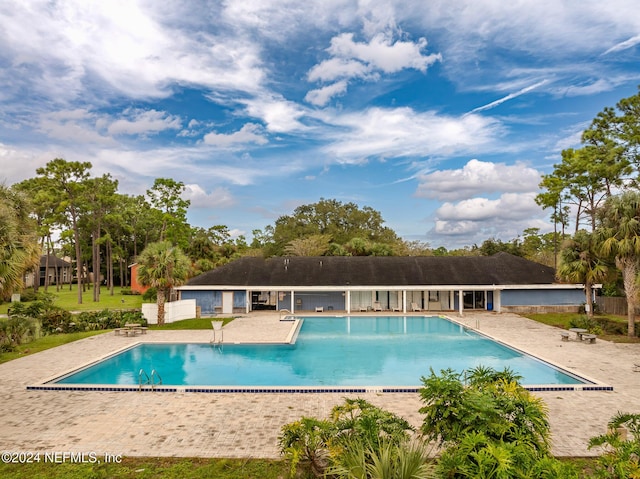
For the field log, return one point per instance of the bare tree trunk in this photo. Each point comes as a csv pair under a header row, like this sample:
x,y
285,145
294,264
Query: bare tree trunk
x,y
76,238
110,263
95,252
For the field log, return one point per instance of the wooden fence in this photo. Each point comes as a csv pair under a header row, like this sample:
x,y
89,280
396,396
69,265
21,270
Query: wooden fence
x,y
613,305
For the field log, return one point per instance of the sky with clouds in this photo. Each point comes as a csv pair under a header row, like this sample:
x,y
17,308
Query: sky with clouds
x,y
440,114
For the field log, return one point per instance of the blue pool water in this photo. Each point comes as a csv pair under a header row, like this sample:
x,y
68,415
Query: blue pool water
x,y
329,351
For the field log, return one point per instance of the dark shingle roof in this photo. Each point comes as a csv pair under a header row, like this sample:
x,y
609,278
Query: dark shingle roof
x,y
54,261
499,269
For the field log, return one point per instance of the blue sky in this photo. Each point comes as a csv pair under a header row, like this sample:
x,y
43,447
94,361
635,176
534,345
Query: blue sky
x,y
440,114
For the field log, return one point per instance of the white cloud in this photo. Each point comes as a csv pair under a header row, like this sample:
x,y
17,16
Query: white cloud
x,y
280,115
401,132
322,96
249,133
510,206
20,164
629,43
351,59
477,219
334,68
220,197
76,126
382,53
128,48
478,177
456,228
143,122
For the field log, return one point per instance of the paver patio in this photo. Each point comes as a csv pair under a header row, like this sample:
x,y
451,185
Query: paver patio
x,y
247,424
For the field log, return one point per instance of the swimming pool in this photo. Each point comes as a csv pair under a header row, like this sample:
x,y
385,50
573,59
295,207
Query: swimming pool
x,y
387,352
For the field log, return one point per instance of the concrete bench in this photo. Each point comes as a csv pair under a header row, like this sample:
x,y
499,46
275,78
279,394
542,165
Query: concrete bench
x,y
564,335
590,338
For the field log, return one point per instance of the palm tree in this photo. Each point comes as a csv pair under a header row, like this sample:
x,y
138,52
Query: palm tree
x,y
162,266
580,263
19,251
619,237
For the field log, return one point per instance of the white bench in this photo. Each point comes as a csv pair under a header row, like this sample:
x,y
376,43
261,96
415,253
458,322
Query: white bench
x,y
564,335
590,338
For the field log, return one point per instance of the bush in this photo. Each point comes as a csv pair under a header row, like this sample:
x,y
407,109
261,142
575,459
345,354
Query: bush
x,y
129,292
489,425
29,295
107,319
56,320
621,457
359,436
611,326
15,331
585,322
150,295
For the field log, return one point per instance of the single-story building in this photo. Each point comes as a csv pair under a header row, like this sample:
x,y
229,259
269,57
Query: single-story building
x,y
51,270
502,282
136,287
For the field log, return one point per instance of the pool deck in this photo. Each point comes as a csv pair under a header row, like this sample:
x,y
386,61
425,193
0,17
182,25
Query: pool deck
x,y
247,425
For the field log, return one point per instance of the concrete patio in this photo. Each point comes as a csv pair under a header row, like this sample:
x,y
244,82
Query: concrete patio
x,y
246,424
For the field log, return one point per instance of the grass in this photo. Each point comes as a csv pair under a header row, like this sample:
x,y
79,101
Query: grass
x,y
197,323
563,320
69,299
43,343
148,468
54,340
179,468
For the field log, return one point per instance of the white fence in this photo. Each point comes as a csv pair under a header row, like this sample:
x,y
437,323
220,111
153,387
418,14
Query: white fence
x,y
173,311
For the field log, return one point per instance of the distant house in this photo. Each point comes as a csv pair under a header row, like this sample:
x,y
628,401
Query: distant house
x,y
136,287
501,282
55,269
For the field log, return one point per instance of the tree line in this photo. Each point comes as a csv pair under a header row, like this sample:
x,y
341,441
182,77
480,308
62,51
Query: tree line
x,y
595,188
64,211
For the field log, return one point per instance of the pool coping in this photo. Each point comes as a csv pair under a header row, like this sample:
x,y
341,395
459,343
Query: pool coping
x,y
49,385
593,383
248,425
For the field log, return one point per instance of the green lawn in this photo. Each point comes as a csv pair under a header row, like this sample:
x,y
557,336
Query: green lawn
x,y
69,300
151,468
196,323
43,343
614,327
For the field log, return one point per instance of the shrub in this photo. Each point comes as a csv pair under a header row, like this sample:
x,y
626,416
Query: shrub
x,y
56,320
129,292
107,319
370,424
29,295
15,331
585,322
358,435
489,425
492,403
621,456
305,443
407,459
